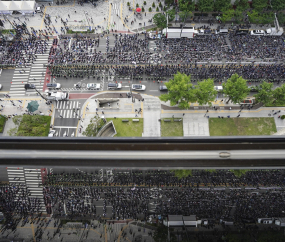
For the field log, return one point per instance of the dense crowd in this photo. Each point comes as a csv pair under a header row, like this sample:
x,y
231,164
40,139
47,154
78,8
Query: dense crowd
x,y
254,73
137,194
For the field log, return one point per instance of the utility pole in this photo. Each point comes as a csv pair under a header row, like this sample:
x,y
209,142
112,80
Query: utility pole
x,y
41,94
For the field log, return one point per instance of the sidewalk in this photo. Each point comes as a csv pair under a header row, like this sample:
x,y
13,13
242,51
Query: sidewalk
x,y
9,109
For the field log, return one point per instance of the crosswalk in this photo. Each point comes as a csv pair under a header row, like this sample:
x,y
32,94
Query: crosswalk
x,y
32,73
67,109
30,179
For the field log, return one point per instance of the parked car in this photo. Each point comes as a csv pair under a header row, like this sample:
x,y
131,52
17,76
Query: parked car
x,y
138,87
54,85
242,32
257,32
114,86
30,86
51,133
163,88
93,86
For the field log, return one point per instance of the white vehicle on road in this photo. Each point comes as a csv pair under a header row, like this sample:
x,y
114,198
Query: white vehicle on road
x,y
93,86
51,133
138,87
257,32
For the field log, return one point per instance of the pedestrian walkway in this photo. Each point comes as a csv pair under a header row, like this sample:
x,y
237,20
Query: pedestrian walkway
x,y
32,74
152,110
195,125
67,109
33,183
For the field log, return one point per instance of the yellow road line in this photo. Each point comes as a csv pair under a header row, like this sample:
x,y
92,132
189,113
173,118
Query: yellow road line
x,y
43,18
33,231
106,240
110,11
120,234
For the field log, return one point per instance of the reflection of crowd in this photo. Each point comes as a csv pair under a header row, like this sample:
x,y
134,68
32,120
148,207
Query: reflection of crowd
x,y
138,194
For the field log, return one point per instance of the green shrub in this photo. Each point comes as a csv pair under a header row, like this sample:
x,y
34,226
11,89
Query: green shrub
x,y
128,4
149,10
144,2
157,9
153,5
164,9
160,5
283,117
143,9
137,5
2,123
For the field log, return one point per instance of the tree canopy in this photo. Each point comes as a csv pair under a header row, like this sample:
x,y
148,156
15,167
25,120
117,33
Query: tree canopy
x,y
180,91
235,88
205,5
186,5
171,14
278,5
242,5
159,20
222,5
260,5
279,95
184,15
264,93
205,92
93,127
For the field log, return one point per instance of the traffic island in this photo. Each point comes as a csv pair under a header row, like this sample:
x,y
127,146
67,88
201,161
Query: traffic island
x,y
131,128
171,127
241,126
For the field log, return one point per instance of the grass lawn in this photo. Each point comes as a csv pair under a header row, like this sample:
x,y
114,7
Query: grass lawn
x,y
34,125
241,126
2,123
127,129
172,128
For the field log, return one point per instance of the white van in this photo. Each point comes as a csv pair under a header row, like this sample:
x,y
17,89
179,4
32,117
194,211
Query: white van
x,y
222,31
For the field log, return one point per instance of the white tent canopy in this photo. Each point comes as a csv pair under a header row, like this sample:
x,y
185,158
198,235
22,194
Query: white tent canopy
x,y
20,6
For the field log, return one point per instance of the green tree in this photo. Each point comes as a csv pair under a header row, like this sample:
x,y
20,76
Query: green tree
x,y
222,5
149,9
235,88
137,5
281,18
264,93
160,5
239,173
92,129
143,9
182,173
184,15
157,9
227,15
159,20
144,2
205,5
279,95
260,5
186,5
161,234
180,91
254,17
171,14
153,5
13,131
205,92
242,5
278,5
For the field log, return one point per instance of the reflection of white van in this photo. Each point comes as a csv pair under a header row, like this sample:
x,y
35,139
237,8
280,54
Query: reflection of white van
x,y
265,221
218,88
222,31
